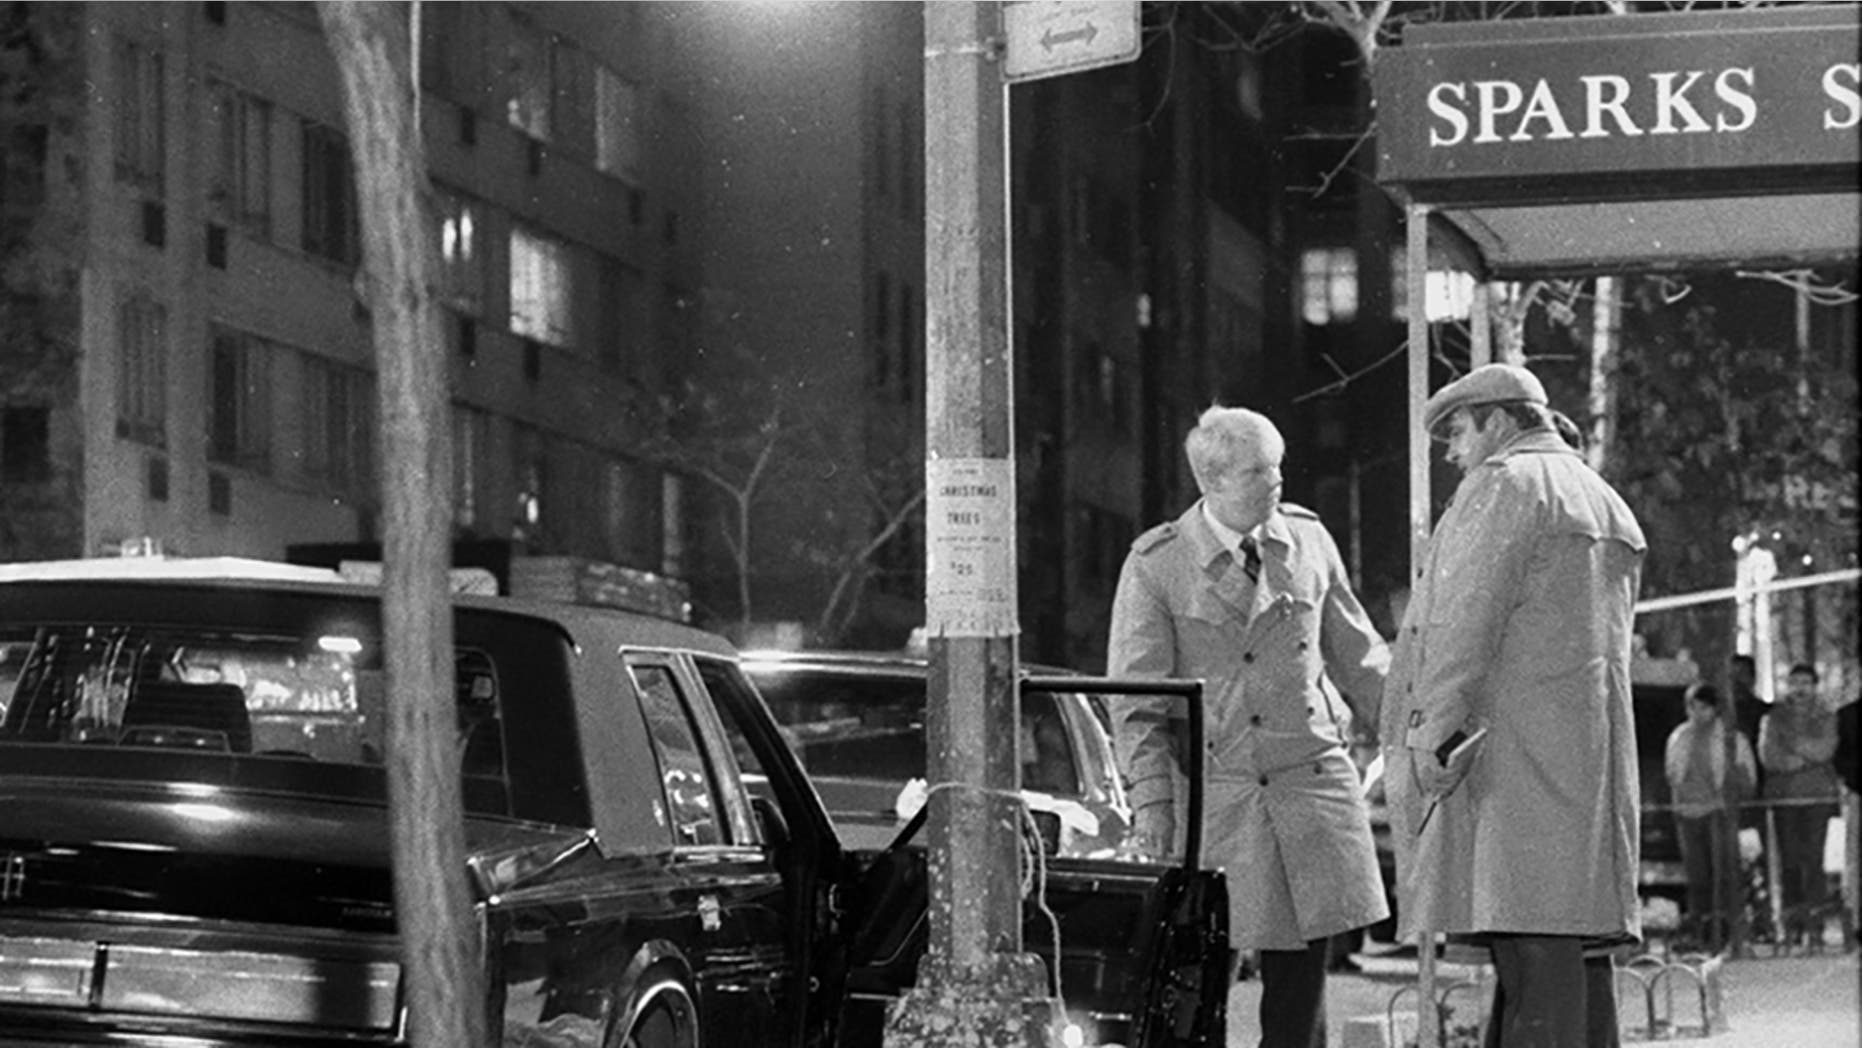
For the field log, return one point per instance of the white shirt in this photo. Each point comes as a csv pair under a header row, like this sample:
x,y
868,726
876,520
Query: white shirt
x,y
1229,537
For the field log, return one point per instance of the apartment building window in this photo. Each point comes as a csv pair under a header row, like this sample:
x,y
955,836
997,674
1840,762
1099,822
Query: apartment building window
x,y
239,185
141,130
25,444
672,524
338,425
462,269
142,370
542,288
331,229
531,467
452,49
471,429
530,83
631,519
617,125
621,312
239,410
1328,285
1100,388
909,154
882,144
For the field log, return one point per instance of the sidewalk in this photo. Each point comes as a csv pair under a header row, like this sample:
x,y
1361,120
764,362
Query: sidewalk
x,y
1782,1002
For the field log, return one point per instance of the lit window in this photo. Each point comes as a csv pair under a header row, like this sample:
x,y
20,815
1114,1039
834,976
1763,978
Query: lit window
x,y
1328,285
530,81
541,289
469,428
462,278
1449,292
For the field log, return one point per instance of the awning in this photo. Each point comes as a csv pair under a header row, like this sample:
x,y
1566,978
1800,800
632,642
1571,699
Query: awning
x,y
1561,147
1624,143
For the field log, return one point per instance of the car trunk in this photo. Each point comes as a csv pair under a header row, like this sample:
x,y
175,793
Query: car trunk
x,y
228,908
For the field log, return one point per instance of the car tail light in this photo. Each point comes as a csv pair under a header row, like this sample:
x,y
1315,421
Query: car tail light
x,y
223,984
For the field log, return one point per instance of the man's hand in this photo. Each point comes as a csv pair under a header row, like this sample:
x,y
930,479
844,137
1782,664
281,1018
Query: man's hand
x,y
1439,771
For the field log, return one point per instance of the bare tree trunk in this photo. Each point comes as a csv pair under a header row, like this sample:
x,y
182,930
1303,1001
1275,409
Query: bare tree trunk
x,y
433,905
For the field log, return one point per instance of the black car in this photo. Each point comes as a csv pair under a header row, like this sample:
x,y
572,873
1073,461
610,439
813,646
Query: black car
x,y
857,724
194,835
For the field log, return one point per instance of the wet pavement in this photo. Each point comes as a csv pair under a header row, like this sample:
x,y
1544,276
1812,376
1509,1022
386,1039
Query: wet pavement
x,y
1810,1001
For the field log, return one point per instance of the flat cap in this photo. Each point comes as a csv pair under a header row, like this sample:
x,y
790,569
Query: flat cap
x,y
1487,384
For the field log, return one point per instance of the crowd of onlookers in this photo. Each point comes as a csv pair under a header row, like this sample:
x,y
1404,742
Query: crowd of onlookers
x,y
1783,772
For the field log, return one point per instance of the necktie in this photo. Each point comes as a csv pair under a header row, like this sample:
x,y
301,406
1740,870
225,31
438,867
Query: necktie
x,y
1251,558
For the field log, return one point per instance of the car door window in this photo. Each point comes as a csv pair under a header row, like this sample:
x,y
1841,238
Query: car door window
x,y
691,800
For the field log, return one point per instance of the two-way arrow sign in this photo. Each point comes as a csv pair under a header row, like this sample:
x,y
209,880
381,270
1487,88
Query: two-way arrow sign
x,y
1052,37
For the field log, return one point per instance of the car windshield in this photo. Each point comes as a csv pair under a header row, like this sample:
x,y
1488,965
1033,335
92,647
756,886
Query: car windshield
x,y
860,733
126,688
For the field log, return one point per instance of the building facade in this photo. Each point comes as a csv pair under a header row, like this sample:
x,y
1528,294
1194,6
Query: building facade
x,y
195,371
682,253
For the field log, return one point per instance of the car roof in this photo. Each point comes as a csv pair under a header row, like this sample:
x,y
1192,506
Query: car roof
x,y
228,574
901,663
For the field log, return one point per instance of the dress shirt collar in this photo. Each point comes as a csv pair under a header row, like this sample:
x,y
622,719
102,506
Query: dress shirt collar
x,y
1227,536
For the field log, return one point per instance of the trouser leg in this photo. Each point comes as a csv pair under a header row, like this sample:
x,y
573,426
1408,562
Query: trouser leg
x,y
1542,991
1694,835
1293,997
1601,1029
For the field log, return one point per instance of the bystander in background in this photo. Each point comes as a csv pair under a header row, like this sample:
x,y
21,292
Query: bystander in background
x,y
1699,778
1797,748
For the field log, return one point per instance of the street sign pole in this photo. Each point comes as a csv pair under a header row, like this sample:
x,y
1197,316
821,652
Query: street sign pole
x,y
976,988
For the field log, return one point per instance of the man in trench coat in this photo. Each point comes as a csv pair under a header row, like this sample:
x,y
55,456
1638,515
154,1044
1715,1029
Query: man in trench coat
x,y
1520,627
1249,594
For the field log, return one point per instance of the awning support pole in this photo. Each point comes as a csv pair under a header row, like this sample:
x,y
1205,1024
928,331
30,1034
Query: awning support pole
x,y
1416,274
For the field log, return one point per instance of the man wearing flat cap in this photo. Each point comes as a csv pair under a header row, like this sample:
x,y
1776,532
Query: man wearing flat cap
x,y
1510,741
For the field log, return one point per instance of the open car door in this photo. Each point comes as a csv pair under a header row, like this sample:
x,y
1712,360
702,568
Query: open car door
x,y
1142,937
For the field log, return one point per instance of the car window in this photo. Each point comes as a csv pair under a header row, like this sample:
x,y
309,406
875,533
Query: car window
x,y
691,803
221,691
1046,752
734,699
859,732
861,727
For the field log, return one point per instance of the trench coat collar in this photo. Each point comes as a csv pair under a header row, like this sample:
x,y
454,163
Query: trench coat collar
x,y
1532,442
1226,578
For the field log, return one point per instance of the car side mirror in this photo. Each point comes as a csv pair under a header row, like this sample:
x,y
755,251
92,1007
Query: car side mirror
x,y
769,819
